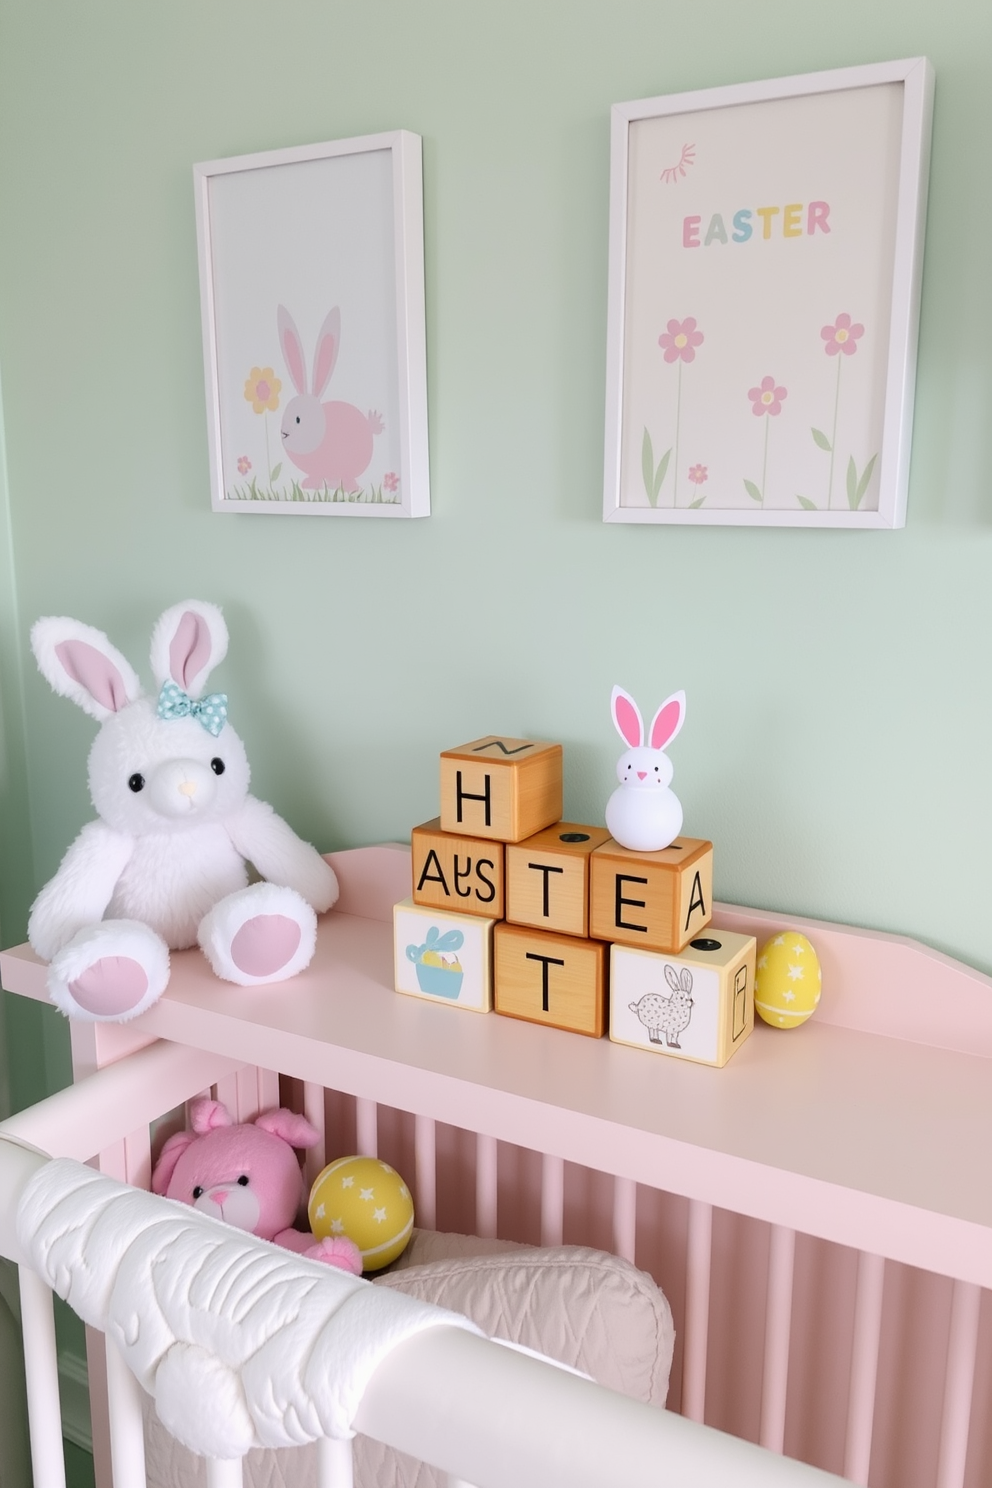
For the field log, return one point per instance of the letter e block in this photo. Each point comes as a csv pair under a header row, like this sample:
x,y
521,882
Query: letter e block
x,y
656,900
555,979
463,874
547,878
501,789
445,958
698,1005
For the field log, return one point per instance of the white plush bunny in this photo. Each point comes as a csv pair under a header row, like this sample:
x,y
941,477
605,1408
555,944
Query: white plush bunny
x,y
642,813
164,865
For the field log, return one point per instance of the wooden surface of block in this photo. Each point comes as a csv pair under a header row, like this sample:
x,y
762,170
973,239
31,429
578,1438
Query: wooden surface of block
x,y
463,874
559,980
501,789
697,1005
547,878
442,957
655,900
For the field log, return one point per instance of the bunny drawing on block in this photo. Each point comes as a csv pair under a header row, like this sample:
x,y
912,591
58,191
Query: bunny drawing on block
x,y
164,865
643,813
331,442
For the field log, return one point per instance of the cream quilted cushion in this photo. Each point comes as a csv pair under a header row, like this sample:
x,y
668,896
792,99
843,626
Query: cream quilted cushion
x,y
583,1307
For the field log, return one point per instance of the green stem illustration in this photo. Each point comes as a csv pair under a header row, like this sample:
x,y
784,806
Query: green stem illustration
x,y
833,437
678,418
764,465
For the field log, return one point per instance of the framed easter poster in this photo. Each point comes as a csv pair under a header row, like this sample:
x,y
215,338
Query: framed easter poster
x,y
766,245
312,301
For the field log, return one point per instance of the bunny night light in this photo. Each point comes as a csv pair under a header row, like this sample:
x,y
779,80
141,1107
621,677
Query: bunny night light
x,y
164,865
643,813
331,442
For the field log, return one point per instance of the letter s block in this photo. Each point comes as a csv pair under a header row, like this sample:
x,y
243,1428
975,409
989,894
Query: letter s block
x,y
697,1005
658,901
560,980
463,874
501,789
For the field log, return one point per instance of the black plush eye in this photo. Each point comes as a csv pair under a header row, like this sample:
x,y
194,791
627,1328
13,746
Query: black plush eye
x,y
243,1180
136,783
218,766
197,1191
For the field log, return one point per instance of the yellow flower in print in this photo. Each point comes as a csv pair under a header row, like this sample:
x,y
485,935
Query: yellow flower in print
x,y
262,389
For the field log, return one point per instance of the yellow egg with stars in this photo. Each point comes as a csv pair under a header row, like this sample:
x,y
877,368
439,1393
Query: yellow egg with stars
x,y
367,1201
787,980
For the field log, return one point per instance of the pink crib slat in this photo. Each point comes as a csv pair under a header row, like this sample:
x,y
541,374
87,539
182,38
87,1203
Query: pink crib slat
x,y
552,1200
313,1109
699,1250
625,1218
425,1162
778,1326
367,1127
42,1376
127,1434
864,1366
335,1464
485,1186
959,1384
221,1474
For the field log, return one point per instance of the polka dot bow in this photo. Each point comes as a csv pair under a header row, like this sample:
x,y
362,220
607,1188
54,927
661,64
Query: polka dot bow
x,y
210,711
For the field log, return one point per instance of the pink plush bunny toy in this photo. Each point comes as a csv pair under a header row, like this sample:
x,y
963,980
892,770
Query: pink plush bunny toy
x,y
248,1176
164,865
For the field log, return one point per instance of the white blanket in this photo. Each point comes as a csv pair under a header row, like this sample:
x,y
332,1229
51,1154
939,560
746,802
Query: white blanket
x,y
241,1344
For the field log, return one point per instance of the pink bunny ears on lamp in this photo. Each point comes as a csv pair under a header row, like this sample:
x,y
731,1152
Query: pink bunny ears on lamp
x,y
665,724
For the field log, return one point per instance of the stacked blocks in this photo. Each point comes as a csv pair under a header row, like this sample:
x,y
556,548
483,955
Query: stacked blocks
x,y
551,921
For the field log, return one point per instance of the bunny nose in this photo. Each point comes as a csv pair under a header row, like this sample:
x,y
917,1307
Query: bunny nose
x,y
220,1195
642,774
188,788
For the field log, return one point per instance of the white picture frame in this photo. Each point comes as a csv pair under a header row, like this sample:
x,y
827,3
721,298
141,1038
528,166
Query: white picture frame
x,y
772,234
305,252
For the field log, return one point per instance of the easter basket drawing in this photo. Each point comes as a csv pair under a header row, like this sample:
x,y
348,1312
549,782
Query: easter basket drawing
x,y
437,974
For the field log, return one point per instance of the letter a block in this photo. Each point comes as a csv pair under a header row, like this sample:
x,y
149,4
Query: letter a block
x,y
463,874
501,789
555,979
698,1005
658,901
445,958
547,878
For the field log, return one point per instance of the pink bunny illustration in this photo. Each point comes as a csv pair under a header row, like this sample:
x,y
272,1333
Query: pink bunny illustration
x,y
643,813
331,442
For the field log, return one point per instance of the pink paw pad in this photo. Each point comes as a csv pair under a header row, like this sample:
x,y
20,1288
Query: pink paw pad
x,y
111,986
264,944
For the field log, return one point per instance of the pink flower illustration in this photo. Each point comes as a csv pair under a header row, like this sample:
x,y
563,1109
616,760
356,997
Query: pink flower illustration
x,y
244,464
842,337
767,398
391,481
697,474
679,342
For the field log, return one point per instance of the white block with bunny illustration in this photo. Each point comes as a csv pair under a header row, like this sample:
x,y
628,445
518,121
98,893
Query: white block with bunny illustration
x,y
697,1005
443,957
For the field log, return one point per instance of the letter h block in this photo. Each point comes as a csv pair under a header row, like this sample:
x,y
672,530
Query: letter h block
x,y
658,901
501,789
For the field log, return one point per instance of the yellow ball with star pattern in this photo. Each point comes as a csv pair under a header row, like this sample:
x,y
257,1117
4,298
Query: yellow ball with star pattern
x,y
787,980
366,1200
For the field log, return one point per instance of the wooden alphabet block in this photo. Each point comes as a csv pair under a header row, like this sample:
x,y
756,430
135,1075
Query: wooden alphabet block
x,y
697,1005
463,874
658,901
547,878
500,789
443,957
555,979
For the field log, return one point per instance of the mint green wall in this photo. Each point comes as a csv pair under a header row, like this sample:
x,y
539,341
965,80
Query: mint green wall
x,y
836,748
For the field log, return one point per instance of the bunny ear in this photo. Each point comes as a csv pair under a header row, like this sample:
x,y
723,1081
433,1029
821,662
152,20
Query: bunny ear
x,y
292,348
80,663
296,1130
672,978
326,354
668,720
187,643
627,717
206,1115
686,979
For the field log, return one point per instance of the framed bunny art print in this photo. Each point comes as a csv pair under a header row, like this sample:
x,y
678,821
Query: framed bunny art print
x,y
766,246
312,300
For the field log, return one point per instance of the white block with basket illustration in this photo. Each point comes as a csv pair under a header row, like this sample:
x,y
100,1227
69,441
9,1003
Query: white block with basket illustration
x,y
443,957
696,1005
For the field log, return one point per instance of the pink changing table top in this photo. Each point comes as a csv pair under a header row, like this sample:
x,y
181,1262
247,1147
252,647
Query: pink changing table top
x,y
870,1125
